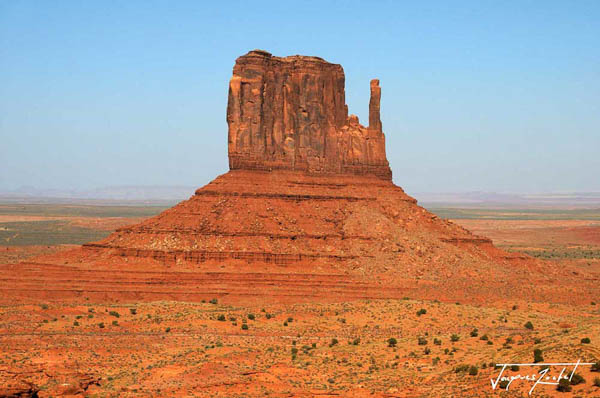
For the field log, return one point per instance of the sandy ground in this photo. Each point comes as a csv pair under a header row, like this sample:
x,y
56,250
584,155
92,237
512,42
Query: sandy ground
x,y
204,349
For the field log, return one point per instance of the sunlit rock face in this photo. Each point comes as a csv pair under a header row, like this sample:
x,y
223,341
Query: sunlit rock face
x,y
290,113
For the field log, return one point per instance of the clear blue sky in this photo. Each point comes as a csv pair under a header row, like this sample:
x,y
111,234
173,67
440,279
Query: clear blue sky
x,y
483,95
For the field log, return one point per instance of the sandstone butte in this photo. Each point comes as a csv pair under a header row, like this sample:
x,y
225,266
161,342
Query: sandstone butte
x,y
308,211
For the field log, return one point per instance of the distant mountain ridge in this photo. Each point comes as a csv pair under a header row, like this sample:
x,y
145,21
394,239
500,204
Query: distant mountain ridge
x,y
138,193
490,199
175,193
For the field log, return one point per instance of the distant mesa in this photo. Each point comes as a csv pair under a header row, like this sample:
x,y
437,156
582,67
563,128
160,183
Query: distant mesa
x,y
290,113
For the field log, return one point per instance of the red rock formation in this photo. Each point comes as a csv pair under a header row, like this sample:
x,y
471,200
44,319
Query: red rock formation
x,y
297,232
290,113
374,106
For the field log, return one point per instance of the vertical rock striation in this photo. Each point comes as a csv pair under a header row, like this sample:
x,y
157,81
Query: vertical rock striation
x,y
291,113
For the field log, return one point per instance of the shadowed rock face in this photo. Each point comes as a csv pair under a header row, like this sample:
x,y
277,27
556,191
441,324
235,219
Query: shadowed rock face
x,y
290,113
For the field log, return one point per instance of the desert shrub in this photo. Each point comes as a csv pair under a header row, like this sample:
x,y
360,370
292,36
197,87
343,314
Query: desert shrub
x,y
596,367
285,323
214,301
437,341
577,379
461,368
392,342
586,340
44,306
514,368
268,316
597,382
314,345
427,351
422,311
454,338
514,307
422,341
503,384
75,323
133,311
334,341
290,319
473,370
537,341
537,356
529,325
484,337
167,330
115,323
114,313
221,318
251,317
101,325
564,385
474,333
356,341
294,350
244,326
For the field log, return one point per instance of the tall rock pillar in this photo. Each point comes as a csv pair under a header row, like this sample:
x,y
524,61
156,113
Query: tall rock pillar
x,y
374,107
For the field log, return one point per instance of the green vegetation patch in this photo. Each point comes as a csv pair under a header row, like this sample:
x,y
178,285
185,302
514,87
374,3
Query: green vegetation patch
x,y
560,253
53,232
515,214
59,210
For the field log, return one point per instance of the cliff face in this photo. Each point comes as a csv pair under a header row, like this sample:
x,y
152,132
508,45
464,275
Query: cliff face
x,y
290,113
